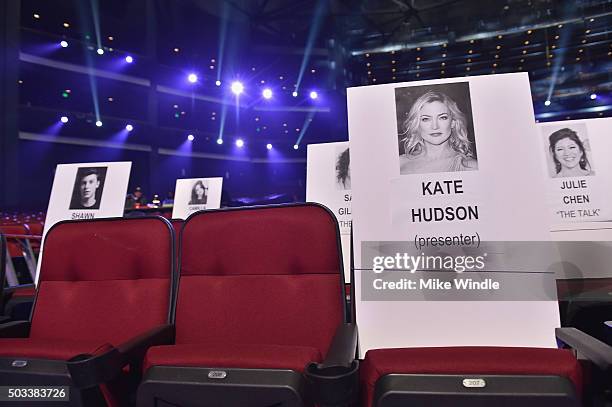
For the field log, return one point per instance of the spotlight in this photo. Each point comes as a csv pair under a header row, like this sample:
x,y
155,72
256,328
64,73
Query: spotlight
x,y
593,96
129,127
100,51
294,94
239,143
193,78
64,44
218,83
98,123
64,119
129,59
219,141
237,88
314,95
267,93
269,146
190,137
547,103
295,146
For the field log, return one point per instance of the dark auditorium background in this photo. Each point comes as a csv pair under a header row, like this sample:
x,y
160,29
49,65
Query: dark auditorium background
x,y
128,63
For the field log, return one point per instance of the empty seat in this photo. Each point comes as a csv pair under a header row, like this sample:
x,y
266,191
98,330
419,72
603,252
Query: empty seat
x,y
483,376
260,314
104,296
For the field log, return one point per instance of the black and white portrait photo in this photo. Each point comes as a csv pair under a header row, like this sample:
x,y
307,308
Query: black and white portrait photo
x,y
199,193
435,129
343,168
568,151
88,187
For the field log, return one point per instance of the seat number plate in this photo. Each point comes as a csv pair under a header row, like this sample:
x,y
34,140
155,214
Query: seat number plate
x,y
474,383
217,374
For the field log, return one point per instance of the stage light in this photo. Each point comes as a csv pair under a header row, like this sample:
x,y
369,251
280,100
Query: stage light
x,y
267,93
295,146
218,83
237,88
294,94
219,141
129,127
193,78
190,137
547,103
98,123
239,143
314,95
64,44
269,146
129,59
593,96
64,119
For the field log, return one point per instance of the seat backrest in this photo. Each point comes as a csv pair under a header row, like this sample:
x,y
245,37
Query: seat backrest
x,y
261,275
14,247
104,280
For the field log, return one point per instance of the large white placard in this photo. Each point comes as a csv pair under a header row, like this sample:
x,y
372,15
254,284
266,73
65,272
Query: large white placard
x,y
328,182
579,192
459,159
87,191
196,194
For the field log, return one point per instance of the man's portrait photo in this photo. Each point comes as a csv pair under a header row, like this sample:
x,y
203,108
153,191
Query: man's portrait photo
x,y
88,187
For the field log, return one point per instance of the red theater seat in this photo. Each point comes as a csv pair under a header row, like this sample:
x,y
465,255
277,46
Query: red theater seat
x,y
481,376
260,314
104,297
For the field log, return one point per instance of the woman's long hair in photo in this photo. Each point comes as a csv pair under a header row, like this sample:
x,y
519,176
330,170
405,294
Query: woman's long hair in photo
x,y
413,142
342,167
194,196
559,135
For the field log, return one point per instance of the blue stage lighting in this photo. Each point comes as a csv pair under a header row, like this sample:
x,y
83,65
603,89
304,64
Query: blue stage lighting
x,y
314,95
267,93
193,78
237,87
100,51
239,143
294,94
295,146
269,146
64,119
129,59
129,127
547,103
190,137
98,123
64,44
218,83
593,96
219,141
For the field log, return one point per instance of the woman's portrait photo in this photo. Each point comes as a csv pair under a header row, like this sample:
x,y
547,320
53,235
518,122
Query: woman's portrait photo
x,y
343,169
435,129
199,193
88,187
568,152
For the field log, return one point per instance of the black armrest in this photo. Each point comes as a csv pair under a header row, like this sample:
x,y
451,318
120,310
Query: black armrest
x,y
15,329
593,349
343,348
89,370
335,381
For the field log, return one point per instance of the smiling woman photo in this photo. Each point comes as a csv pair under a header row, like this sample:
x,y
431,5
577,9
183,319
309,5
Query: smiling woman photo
x,y
568,154
435,137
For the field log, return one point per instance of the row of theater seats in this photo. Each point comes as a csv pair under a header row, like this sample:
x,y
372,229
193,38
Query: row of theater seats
x,y
252,313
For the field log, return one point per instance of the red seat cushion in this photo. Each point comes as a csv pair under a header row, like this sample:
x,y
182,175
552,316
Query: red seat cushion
x,y
468,360
46,348
24,292
233,356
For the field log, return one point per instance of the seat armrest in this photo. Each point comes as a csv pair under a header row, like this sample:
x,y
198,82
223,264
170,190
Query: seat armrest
x,y
343,348
89,370
335,381
15,329
593,349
